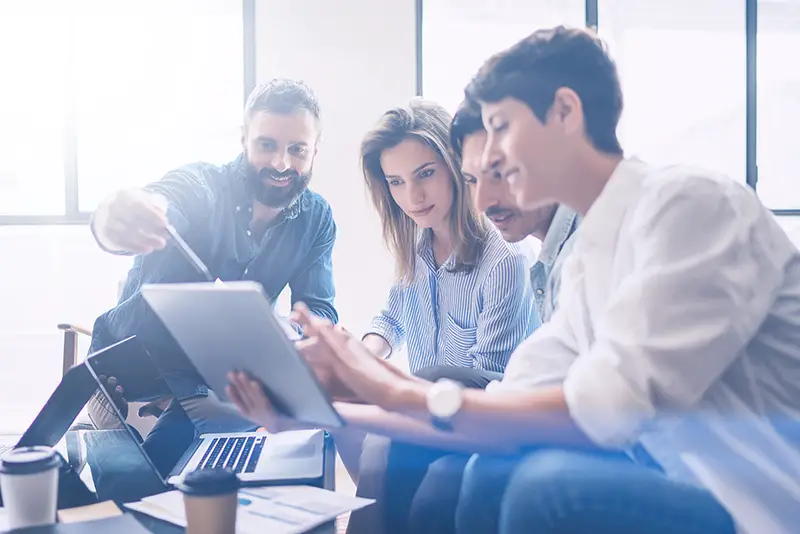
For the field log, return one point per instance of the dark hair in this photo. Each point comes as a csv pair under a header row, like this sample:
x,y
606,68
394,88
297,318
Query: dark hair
x,y
466,121
533,70
281,95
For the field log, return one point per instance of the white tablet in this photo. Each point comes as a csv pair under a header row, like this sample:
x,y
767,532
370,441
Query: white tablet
x,y
233,326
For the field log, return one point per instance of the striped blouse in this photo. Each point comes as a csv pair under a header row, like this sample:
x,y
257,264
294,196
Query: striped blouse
x,y
466,319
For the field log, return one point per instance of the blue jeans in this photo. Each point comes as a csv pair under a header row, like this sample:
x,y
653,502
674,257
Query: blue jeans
x,y
413,485
564,491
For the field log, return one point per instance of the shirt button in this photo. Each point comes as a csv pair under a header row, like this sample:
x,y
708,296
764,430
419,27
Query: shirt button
x,y
238,208
540,292
246,270
249,232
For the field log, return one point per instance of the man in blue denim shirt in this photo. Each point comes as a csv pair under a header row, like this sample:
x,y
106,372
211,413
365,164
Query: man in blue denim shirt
x,y
251,219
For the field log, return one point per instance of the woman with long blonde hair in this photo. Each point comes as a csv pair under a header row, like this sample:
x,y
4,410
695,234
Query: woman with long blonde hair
x,y
462,297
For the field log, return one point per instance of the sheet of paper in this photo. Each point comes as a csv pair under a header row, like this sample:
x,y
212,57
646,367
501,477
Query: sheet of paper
x,y
91,512
175,517
278,510
3,519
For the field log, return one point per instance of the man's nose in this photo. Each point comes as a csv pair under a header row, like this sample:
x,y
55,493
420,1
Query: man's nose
x,y
492,159
280,161
482,196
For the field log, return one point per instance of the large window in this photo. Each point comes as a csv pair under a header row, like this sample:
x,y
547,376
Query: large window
x,y
682,68
459,35
99,95
710,83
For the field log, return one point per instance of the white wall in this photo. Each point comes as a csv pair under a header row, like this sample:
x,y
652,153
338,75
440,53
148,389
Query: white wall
x,y
48,275
359,58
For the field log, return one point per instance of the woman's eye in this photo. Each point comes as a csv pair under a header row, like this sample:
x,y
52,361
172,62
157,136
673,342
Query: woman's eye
x,y
426,173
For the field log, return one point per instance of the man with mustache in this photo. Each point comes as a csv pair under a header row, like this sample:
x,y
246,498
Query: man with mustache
x,y
251,219
420,485
554,225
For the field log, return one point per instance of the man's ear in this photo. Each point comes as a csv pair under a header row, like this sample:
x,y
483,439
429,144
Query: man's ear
x,y
567,110
243,139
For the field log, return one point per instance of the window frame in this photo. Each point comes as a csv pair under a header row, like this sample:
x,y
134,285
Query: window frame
x,y
751,90
72,212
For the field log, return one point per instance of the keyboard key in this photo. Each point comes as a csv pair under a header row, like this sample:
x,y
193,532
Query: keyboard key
x,y
207,453
248,446
237,448
225,452
257,448
213,456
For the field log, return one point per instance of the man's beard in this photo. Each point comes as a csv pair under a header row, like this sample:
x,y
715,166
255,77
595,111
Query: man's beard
x,y
275,196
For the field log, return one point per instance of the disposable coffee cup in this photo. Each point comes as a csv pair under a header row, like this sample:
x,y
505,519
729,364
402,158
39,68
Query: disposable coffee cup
x,y
210,498
29,482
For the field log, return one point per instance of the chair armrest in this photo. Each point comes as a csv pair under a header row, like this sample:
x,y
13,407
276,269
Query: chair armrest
x,y
68,327
70,354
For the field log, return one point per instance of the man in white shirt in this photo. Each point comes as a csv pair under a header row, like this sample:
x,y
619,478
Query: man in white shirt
x,y
678,329
682,296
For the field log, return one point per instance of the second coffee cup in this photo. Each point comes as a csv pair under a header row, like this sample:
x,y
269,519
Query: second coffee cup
x,y
210,498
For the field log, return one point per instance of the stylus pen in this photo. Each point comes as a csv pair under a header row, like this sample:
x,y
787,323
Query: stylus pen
x,y
188,253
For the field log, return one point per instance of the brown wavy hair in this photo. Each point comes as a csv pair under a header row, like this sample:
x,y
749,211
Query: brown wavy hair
x,y
429,123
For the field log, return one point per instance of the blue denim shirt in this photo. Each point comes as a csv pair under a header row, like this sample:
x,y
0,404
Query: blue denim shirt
x,y
546,272
211,208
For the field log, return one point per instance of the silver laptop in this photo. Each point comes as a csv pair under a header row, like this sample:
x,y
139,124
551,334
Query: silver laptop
x,y
257,458
233,326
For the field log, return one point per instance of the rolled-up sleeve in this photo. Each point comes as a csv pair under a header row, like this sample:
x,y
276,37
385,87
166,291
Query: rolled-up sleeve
x,y
389,323
189,198
542,360
707,266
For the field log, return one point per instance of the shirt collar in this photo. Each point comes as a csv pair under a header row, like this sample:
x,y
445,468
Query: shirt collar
x,y
425,251
562,226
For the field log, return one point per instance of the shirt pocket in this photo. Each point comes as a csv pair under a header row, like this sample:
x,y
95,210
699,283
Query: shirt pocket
x,y
458,341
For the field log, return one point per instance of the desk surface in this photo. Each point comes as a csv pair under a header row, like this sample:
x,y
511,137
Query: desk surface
x,y
160,527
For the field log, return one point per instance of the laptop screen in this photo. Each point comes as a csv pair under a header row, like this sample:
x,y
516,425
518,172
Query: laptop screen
x,y
110,460
121,468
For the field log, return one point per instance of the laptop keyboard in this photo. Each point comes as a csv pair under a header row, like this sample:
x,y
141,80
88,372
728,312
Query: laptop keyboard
x,y
238,454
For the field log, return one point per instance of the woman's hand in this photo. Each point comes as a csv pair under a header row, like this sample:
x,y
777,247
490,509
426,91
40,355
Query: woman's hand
x,y
372,379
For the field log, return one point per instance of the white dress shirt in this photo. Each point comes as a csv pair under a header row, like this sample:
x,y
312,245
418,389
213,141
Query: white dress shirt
x,y
679,328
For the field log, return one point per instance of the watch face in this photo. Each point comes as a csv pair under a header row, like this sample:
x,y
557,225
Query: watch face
x,y
445,399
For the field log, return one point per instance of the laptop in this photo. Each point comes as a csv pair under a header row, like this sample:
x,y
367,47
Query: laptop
x,y
58,425
257,458
59,414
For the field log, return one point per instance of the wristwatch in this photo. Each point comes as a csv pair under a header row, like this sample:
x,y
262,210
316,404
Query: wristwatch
x,y
444,400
